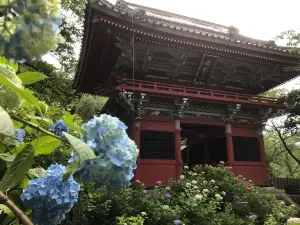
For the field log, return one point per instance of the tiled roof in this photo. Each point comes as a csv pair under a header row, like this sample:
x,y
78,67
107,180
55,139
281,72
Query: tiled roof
x,y
186,24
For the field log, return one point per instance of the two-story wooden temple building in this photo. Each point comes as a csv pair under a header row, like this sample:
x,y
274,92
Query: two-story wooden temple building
x,y
170,77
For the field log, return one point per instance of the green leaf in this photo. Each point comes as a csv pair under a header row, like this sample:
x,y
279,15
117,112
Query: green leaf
x,y
6,124
83,151
36,172
7,157
69,120
70,170
11,141
12,65
24,183
17,124
21,92
18,169
31,77
45,145
2,147
4,209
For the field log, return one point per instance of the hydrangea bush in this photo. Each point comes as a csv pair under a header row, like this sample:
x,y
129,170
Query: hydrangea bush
x,y
50,198
116,153
199,196
32,32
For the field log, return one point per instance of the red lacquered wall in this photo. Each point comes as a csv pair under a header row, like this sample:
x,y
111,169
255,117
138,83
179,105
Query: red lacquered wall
x,y
255,171
151,170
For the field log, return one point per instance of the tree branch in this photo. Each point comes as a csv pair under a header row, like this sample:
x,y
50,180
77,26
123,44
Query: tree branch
x,y
284,144
37,127
17,212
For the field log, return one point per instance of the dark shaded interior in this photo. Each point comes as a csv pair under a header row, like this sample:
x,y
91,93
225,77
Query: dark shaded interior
x,y
204,144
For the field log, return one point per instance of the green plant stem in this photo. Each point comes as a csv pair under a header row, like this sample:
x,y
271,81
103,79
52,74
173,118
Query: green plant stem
x,y
37,127
17,212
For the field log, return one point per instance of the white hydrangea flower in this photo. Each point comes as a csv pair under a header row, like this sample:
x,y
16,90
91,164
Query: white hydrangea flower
x,y
186,167
205,190
181,177
223,193
194,182
198,197
213,181
188,184
218,197
168,188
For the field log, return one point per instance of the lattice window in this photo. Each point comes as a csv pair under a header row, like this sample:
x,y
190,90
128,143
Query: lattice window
x,y
157,145
246,149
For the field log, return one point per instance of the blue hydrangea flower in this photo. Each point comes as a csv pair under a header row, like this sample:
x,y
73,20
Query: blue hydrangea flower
x,y
116,153
20,134
177,222
59,127
49,198
254,217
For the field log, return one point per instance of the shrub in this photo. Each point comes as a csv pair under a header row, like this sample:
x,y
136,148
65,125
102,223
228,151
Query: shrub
x,y
203,195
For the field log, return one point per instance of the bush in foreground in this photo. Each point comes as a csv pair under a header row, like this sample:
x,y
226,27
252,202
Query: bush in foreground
x,y
204,195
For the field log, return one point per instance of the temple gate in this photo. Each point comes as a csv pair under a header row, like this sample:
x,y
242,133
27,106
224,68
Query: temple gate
x,y
187,89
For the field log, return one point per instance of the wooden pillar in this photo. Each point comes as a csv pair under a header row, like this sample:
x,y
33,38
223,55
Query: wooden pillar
x,y
229,145
137,137
262,148
178,148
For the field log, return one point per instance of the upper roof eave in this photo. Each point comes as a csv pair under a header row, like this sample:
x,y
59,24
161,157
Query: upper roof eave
x,y
121,10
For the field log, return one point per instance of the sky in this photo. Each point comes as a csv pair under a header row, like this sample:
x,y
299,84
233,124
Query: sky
x,y
260,19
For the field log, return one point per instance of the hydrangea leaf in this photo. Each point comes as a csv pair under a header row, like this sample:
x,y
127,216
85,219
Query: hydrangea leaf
x,y
2,147
6,124
18,168
31,77
4,209
12,65
36,172
70,170
69,120
83,151
24,183
17,124
45,145
7,157
21,92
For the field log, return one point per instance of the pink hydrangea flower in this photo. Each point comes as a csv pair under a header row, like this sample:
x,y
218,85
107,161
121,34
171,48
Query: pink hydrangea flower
x,y
158,182
168,196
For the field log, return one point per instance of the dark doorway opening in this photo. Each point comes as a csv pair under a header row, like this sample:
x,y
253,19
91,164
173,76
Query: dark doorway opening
x,y
203,144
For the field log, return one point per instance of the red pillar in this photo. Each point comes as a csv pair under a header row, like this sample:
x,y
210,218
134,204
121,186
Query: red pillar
x,y
178,148
136,135
230,155
262,148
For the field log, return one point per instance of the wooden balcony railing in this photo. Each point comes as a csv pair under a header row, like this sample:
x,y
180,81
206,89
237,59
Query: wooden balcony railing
x,y
196,93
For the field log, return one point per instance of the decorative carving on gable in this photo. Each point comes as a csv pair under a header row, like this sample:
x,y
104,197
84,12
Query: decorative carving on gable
x,y
179,62
205,69
231,112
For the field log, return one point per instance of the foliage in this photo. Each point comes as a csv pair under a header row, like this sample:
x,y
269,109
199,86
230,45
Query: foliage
x,y
203,195
89,105
280,162
50,131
